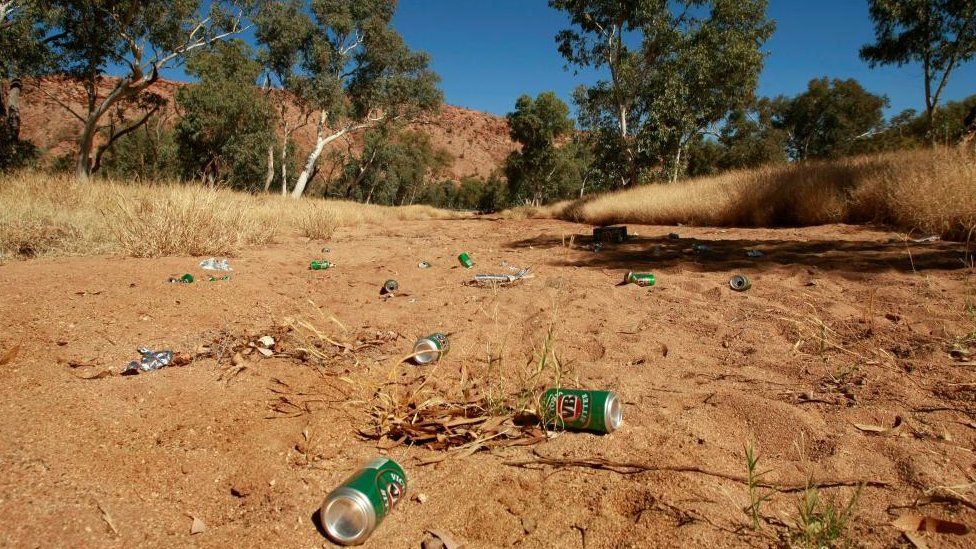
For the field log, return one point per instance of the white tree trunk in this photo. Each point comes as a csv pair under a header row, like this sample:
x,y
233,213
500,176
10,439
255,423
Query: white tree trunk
x,y
321,140
269,178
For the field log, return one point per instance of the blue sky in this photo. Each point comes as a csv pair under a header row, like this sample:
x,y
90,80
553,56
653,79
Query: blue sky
x,y
488,52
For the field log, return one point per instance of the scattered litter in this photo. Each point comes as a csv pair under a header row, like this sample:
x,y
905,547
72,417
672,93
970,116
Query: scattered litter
x,y
615,234
910,522
326,250
701,248
431,348
599,411
267,342
151,360
755,253
214,264
502,278
351,512
390,286
465,260
264,345
926,239
185,279
197,527
643,280
320,265
221,279
740,283
875,429
424,265
597,247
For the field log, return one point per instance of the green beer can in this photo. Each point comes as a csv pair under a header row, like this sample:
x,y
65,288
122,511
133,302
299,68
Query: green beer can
x,y
351,512
431,348
641,279
465,260
598,411
320,265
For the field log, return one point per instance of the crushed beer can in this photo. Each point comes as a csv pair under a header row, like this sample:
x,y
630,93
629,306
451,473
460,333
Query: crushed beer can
x,y
320,265
581,410
151,360
502,278
390,286
214,264
465,260
353,511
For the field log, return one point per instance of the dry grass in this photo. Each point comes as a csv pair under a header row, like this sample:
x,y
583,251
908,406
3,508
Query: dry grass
x,y
930,191
52,215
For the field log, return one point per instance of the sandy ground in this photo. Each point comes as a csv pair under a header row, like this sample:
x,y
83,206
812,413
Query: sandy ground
x,y
843,326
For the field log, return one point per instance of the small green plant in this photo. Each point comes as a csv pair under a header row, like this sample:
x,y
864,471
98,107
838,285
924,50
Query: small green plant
x,y
822,522
756,497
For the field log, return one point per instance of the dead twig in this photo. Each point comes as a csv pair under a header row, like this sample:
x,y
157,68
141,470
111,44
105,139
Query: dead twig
x,y
632,468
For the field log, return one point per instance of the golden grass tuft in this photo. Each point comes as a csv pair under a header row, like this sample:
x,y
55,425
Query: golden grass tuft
x,y
43,214
931,191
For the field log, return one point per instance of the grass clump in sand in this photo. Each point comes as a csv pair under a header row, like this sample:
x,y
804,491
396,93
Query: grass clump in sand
x,y
931,191
46,214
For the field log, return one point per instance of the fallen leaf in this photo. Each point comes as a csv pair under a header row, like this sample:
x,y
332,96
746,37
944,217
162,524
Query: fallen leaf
x,y
99,375
446,538
880,430
107,518
198,527
10,355
916,539
922,523
265,352
664,350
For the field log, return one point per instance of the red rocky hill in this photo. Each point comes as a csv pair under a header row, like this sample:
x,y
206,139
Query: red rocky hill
x,y
478,141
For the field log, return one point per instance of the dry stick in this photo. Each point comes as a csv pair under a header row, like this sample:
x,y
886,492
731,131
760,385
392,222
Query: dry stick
x,y
630,468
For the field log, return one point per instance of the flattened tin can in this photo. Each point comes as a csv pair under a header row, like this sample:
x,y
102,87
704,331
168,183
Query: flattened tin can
x,y
351,512
431,348
598,411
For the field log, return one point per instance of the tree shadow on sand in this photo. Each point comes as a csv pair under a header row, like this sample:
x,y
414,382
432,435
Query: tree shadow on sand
x,y
844,256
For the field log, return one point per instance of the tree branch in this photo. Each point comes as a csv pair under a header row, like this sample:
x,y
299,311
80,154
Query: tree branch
x,y
115,136
629,468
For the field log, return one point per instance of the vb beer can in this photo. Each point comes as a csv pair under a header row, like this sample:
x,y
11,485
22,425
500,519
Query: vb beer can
x,y
599,411
431,348
641,279
351,512
465,260
320,265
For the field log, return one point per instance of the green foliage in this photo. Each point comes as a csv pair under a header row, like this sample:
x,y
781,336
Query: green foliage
x,y
227,126
938,34
148,153
756,498
824,523
675,70
395,168
22,41
343,60
541,171
832,118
